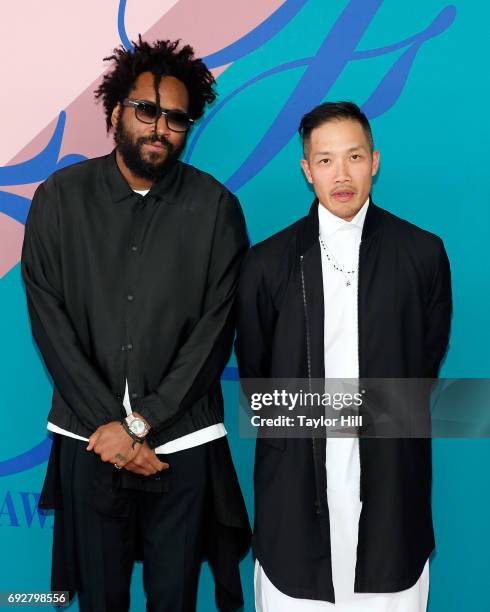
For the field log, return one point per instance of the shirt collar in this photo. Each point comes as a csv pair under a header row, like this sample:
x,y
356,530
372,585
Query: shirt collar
x,y
330,223
119,188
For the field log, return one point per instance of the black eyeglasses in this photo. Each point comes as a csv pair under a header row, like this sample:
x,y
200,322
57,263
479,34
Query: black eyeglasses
x,y
149,112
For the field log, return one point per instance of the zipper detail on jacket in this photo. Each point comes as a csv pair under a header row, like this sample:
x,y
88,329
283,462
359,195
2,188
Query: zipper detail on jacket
x,y
318,509
308,355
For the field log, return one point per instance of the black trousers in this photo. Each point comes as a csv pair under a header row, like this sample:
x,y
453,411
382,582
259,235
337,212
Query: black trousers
x,y
103,529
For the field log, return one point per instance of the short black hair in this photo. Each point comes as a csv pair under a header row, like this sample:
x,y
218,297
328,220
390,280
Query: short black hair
x,y
331,111
162,58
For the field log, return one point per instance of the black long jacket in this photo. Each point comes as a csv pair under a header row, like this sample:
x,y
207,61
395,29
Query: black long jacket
x,y
121,286
404,314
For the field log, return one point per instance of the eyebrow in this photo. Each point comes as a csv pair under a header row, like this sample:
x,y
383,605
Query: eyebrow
x,y
349,150
154,104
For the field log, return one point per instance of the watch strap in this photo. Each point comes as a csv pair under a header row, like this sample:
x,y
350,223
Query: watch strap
x,y
135,438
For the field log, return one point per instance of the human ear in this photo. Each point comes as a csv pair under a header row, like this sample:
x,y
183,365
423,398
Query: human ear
x,y
375,166
306,169
115,115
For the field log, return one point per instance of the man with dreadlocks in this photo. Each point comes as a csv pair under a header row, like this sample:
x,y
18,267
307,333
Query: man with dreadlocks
x,y
130,263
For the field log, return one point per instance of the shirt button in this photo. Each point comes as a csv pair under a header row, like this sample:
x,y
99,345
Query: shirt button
x,y
130,298
123,348
134,396
118,396
129,347
134,248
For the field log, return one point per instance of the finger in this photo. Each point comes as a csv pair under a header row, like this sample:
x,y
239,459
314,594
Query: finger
x,y
91,441
152,457
147,466
140,460
136,469
152,460
132,467
157,464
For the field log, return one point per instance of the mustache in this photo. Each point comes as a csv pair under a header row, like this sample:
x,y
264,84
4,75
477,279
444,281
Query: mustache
x,y
341,189
156,138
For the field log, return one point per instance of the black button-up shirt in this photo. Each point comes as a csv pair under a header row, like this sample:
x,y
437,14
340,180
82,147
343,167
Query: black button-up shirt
x,y
122,286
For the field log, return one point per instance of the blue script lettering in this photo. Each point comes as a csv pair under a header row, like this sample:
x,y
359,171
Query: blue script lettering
x,y
29,504
322,71
27,509
8,509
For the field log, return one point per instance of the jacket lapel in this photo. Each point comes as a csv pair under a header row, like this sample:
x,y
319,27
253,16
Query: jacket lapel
x,y
312,281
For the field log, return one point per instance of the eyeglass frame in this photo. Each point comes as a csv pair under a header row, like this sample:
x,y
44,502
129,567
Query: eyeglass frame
x,y
135,102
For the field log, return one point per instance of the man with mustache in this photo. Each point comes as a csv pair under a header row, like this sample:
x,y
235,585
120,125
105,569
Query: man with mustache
x,y
348,292
131,265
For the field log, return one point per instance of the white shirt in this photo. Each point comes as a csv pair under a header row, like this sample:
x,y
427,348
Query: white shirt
x,y
341,335
196,438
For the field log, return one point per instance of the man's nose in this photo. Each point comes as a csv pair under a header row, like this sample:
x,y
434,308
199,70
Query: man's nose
x,y
342,172
161,127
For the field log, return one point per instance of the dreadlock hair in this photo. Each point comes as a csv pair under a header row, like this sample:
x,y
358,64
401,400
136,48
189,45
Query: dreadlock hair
x,y
162,58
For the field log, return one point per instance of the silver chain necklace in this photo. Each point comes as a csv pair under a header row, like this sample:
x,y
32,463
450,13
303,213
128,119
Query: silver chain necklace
x,y
331,258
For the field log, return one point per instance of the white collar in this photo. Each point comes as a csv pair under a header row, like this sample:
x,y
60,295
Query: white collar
x,y
330,223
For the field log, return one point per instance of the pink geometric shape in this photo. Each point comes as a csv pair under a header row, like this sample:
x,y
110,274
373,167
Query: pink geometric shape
x,y
208,26
212,25
12,236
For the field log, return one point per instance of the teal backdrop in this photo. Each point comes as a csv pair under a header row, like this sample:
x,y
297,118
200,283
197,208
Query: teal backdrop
x,y
420,71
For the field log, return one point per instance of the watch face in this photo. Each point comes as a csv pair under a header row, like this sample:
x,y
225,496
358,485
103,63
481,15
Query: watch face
x,y
137,427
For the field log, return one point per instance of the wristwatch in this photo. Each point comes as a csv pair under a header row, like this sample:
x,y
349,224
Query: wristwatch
x,y
136,427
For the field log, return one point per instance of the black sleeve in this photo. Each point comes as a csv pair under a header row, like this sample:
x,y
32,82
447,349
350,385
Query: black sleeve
x,y
438,314
256,316
77,380
201,359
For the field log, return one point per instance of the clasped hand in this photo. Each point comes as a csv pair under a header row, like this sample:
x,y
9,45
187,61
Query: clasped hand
x,y
114,445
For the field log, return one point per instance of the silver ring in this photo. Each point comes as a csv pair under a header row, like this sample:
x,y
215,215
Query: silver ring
x,y
118,467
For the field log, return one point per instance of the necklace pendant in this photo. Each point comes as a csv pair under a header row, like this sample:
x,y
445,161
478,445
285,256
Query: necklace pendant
x,y
347,284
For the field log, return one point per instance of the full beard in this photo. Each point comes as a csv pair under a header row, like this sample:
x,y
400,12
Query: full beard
x,y
153,167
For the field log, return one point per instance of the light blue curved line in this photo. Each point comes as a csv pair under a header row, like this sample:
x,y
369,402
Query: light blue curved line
x,y
386,95
256,37
122,28
439,25
31,458
319,76
287,66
